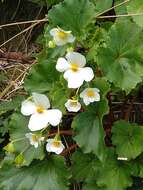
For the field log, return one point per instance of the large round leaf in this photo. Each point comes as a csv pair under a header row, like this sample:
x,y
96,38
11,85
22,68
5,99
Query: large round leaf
x,y
128,139
50,174
72,15
41,77
120,60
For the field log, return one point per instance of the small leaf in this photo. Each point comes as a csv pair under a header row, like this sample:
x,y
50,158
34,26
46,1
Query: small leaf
x,y
9,147
128,139
20,160
72,15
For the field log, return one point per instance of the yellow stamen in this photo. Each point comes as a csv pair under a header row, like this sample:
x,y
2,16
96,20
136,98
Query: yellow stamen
x,y
40,109
90,93
62,34
73,102
34,138
56,144
74,67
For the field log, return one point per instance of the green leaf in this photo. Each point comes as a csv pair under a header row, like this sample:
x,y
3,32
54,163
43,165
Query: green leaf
x,y
102,5
91,185
41,77
49,174
10,105
82,165
101,107
113,174
52,2
9,147
120,61
20,160
72,15
120,9
136,166
89,133
136,7
128,139
59,94
17,129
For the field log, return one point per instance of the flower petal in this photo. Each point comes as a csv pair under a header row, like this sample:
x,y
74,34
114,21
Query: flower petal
x,y
60,149
51,148
60,42
96,89
28,135
62,65
38,121
54,31
28,107
54,116
97,97
75,79
71,38
76,58
86,101
87,73
41,100
72,108
36,144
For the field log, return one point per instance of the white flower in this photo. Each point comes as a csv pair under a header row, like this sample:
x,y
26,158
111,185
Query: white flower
x,y
61,37
75,72
90,95
54,145
34,139
73,105
122,158
40,115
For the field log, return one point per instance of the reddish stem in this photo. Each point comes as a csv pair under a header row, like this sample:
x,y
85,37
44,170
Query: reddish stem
x,y
65,152
62,132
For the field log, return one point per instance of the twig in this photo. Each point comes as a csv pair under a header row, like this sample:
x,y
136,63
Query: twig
x,y
62,132
65,152
23,22
126,15
118,5
13,82
25,30
129,109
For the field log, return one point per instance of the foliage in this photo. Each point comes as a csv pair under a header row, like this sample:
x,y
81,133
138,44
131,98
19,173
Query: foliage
x,y
38,175
97,148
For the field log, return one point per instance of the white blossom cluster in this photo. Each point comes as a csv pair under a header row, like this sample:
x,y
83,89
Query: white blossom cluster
x,y
73,67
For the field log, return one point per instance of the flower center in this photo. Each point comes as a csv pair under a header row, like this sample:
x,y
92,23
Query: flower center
x,y
74,67
73,103
56,144
40,109
62,35
90,93
34,138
